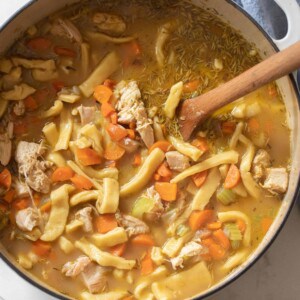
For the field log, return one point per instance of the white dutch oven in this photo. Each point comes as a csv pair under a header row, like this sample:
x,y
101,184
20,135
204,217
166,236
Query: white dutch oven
x,y
35,10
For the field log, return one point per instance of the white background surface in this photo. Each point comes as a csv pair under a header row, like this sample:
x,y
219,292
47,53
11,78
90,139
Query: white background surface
x,y
276,276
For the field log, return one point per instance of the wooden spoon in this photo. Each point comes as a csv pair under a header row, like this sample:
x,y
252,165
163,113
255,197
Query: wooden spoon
x,y
196,110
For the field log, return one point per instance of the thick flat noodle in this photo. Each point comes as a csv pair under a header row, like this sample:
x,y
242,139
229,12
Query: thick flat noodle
x,y
250,184
109,203
109,239
85,196
114,295
65,130
91,132
231,216
235,260
58,214
107,66
173,100
51,133
57,159
145,173
106,38
206,191
100,174
235,137
104,259
228,157
184,284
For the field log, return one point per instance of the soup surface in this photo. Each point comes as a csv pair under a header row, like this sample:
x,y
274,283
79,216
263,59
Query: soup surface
x,y
100,197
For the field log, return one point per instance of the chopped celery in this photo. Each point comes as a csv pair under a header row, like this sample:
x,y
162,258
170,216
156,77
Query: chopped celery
x,y
182,229
142,205
235,244
233,232
226,196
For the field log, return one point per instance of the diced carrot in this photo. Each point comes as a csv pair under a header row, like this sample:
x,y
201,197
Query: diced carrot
x,y
164,171
107,109
114,118
166,190
131,133
62,174
81,182
228,127
64,52
241,225
20,204
46,207
222,238
30,103
266,224
206,257
253,125
41,248
162,145
156,177
191,86
102,93
217,252
142,240
137,159
132,125
109,83
198,218
88,156
113,152
58,85
118,250
105,223
200,178
232,178
39,44
5,178
147,265
201,144
129,52
116,132
214,225
9,195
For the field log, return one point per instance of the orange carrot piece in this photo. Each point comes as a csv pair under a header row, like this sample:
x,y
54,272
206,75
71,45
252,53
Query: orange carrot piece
x,y
147,265
39,44
137,159
266,224
164,171
201,144
156,177
114,118
166,190
62,174
107,109
253,125
81,182
109,83
206,257
228,127
143,240
5,178
222,238
214,225
200,178
61,51
232,178
132,125
30,103
116,132
20,204
41,248
131,133
102,93
241,225
162,145
46,207
9,195
58,85
118,250
113,152
217,252
198,218
88,156
191,86
105,223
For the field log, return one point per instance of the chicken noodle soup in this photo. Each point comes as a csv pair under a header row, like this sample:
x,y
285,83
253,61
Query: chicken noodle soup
x,y
100,196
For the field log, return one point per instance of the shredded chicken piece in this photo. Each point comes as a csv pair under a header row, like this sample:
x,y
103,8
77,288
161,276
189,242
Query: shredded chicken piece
x,y
65,28
276,180
22,190
72,269
94,277
131,109
34,170
261,161
177,161
19,108
129,145
87,114
133,226
158,209
5,149
110,24
27,219
85,216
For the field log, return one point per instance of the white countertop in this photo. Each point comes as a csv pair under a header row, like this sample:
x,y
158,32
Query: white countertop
x,y
275,276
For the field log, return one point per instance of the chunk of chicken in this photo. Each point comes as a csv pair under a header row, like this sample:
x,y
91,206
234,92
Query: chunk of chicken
x,y
133,226
94,277
5,149
65,28
22,190
27,219
261,161
177,161
158,209
131,109
110,24
74,268
129,145
87,114
26,156
276,180
85,216
19,108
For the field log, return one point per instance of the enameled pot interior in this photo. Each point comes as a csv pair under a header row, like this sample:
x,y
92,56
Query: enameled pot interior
x,y
39,9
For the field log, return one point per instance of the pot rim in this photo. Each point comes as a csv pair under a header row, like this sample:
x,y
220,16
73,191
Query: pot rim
x,y
246,268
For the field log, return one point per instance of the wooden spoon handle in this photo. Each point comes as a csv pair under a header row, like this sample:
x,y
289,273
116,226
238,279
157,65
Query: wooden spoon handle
x,y
274,67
